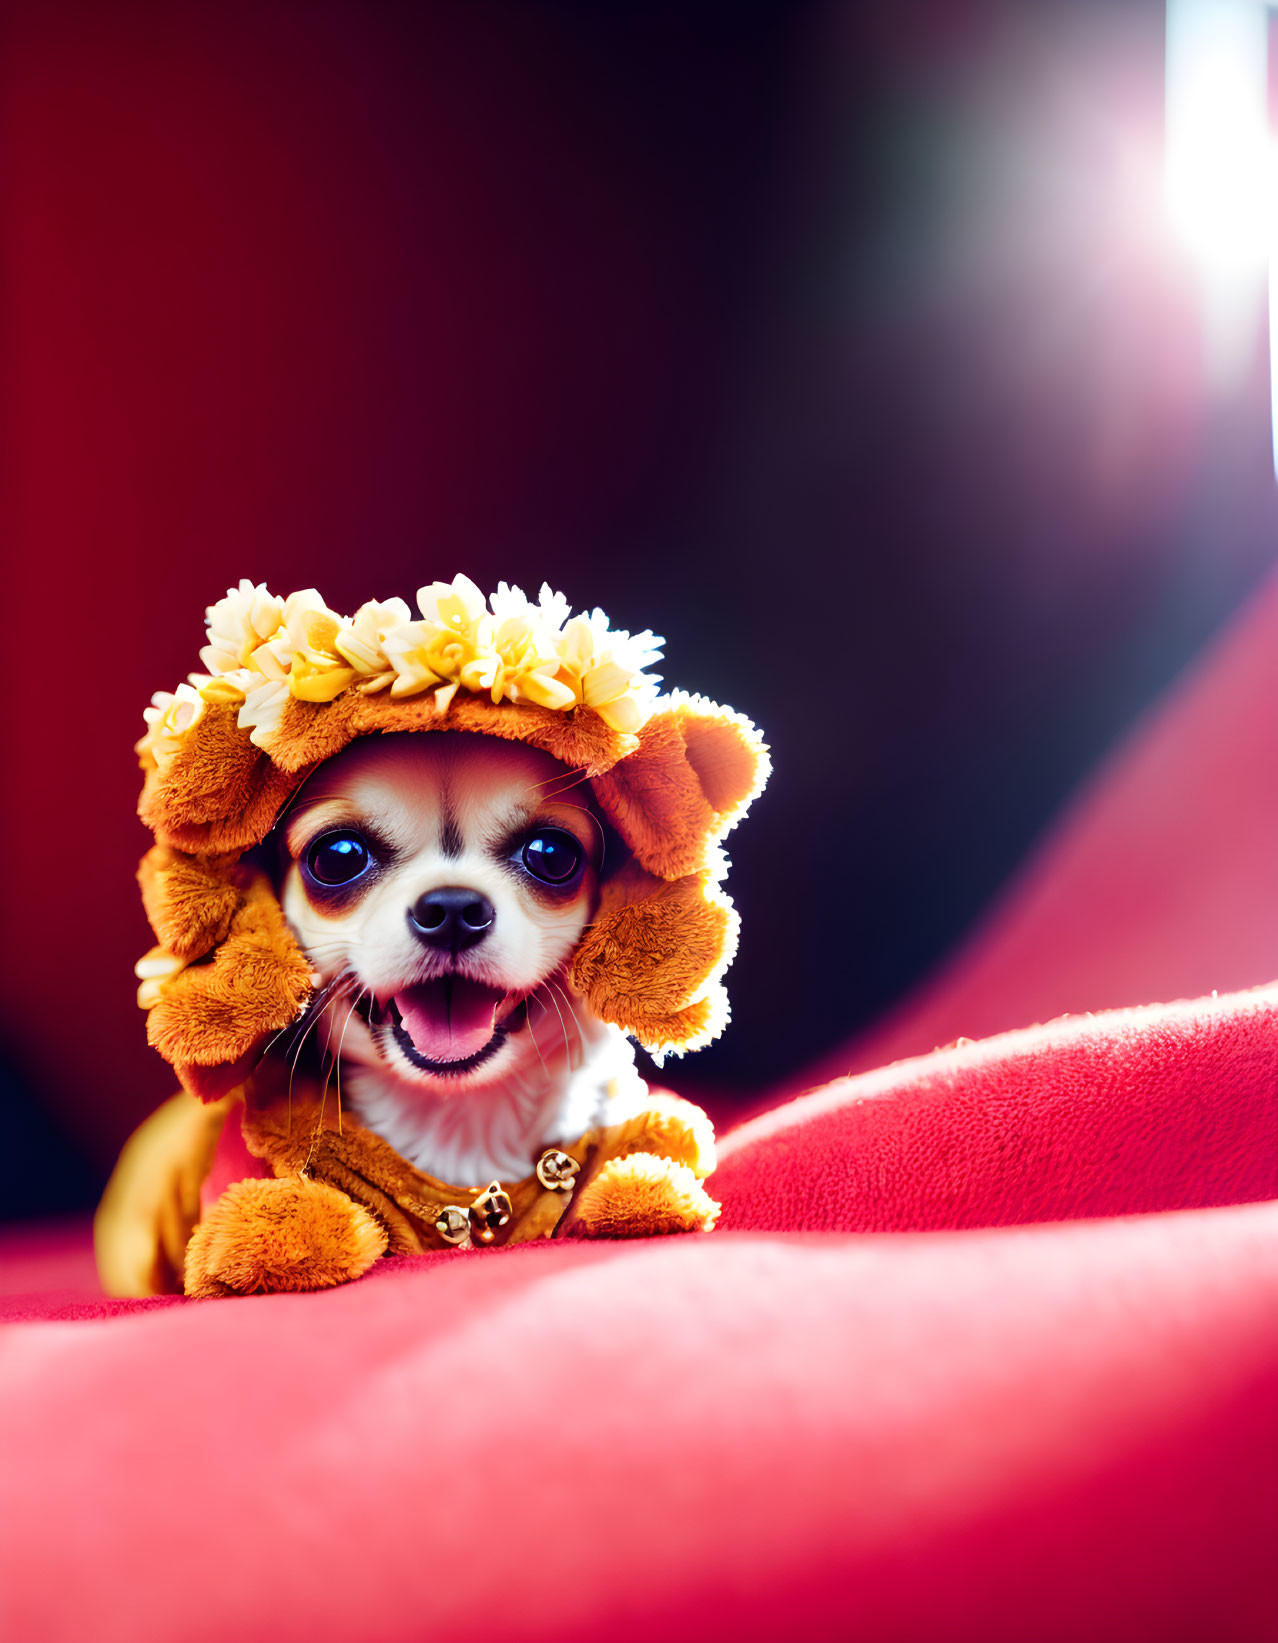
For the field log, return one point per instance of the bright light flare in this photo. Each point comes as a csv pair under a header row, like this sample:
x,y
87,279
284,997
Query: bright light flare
x,y
1221,173
1221,179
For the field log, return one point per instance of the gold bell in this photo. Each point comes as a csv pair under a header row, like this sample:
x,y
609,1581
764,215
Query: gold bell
x,y
453,1226
556,1170
490,1212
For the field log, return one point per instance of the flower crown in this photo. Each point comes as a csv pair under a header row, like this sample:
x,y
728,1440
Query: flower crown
x,y
262,650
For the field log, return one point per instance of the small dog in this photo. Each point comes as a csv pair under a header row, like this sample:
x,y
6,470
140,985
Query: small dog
x,y
468,929
439,886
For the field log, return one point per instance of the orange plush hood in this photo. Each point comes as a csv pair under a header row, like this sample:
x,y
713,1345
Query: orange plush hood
x,y
291,683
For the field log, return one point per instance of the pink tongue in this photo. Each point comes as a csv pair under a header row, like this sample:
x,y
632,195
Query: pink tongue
x,y
448,1019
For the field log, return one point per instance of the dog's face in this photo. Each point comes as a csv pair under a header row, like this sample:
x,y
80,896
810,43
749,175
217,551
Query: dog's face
x,y
439,884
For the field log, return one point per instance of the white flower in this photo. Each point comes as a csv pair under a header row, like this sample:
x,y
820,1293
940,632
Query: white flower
x,y
263,709
262,650
510,603
238,624
168,719
274,658
406,650
153,970
606,669
555,609
524,657
457,605
362,641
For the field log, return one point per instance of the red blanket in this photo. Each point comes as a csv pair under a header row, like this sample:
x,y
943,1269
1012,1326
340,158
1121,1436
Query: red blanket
x,y
987,1348
1050,1431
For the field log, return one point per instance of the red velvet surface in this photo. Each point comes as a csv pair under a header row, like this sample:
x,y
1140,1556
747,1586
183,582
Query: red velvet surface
x,y
986,1346
1169,1107
1052,1431
1049,1432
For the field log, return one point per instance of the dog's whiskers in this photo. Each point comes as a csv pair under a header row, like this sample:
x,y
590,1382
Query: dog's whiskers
x,y
302,1020
533,1035
572,770
563,993
347,977
329,994
340,1042
563,1027
558,792
568,1004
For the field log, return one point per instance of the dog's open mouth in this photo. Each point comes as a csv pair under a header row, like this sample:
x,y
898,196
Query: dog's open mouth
x,y
449,1024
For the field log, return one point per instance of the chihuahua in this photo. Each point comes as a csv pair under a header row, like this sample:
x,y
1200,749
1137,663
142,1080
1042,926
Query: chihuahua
x,y
439,886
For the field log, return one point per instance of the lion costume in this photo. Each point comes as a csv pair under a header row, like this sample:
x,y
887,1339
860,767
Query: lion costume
x,y
289,684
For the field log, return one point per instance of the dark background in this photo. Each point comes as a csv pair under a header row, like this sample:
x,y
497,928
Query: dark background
x,y
842,344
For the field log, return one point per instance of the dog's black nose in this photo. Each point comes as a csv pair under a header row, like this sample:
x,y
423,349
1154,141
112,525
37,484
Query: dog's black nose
x,y
451,919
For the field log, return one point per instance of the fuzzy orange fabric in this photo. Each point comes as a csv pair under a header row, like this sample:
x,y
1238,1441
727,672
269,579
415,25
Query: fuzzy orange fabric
x,y
652,958
637,1178
303,1131
189,900
256,982
266,1236
652,962
219,794
651,1194
694,772
671,1127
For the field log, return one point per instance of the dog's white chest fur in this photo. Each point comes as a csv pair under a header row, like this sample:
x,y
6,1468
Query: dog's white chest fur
x,y
498,1130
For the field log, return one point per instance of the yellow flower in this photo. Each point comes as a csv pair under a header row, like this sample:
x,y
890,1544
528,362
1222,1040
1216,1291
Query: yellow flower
x,y
317,673
301,654
262,650
406,650
263,709
168,719
226,687
530,660
452,636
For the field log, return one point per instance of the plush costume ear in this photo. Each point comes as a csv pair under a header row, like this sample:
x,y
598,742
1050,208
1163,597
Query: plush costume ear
x,y
218,793
651,960
665,932
211,1019
189,900
728,755
692,777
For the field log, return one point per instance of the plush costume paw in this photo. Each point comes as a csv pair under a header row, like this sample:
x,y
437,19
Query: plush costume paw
x,y
670,1127
639,1196
286,1234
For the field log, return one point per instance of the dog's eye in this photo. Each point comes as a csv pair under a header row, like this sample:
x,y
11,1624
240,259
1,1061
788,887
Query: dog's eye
x,y
552,856
338,858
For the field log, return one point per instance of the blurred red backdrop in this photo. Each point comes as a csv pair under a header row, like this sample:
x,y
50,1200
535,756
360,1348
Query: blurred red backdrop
x,y
837,343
